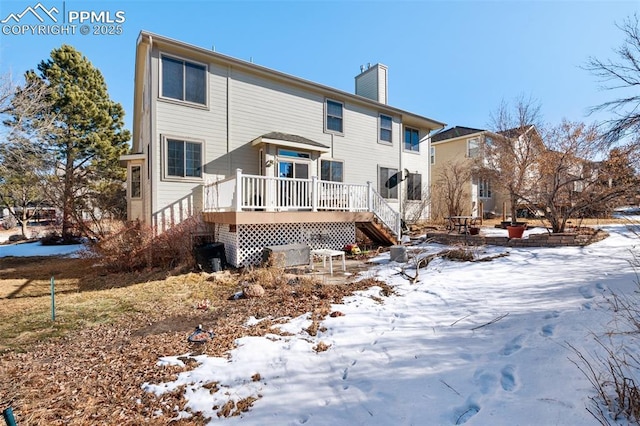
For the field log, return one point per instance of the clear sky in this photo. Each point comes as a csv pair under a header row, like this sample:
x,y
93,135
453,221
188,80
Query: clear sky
x,y
453,61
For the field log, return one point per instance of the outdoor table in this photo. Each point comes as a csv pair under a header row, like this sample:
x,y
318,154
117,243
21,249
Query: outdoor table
x,y
461,223
327,253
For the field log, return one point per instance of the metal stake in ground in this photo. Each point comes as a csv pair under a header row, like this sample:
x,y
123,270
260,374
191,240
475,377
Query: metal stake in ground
x,y
53,299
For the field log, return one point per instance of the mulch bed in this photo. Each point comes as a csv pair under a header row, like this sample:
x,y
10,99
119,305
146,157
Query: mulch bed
x,y
94,375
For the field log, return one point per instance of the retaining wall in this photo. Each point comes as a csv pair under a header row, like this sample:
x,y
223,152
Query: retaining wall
x,y
535,240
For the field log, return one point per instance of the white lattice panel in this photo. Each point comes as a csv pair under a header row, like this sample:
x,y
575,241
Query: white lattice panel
x,y
230,241
250,240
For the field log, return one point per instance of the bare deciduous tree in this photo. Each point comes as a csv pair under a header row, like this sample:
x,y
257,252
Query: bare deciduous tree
x,y
454,183
510,158
23,160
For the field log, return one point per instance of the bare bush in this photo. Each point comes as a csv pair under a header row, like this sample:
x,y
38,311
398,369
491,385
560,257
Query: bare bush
x,y
136,246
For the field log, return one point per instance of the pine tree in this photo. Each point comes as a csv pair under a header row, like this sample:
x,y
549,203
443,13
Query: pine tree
x,y
88,138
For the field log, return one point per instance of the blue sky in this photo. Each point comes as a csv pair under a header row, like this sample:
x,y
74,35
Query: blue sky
x,y
451,61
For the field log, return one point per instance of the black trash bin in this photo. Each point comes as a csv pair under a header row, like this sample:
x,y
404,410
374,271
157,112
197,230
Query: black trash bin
x,y
210,257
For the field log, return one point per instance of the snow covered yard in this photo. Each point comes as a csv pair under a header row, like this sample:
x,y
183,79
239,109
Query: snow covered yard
x,y
481,343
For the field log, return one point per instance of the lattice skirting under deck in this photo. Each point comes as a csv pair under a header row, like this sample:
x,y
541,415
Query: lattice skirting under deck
x,y
244,246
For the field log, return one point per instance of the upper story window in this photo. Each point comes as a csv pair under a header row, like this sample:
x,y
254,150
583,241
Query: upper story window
x,y
334,116
411,139
473,148
414,186
184,81
184,159
432,155
386,129
331,170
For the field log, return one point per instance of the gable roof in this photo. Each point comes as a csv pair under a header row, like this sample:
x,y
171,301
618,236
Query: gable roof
x,y
291,141
454,132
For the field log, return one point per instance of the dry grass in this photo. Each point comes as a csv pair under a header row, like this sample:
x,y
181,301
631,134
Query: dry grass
x,y
89,365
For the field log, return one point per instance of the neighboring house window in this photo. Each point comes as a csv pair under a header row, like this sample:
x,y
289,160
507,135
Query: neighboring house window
x,y
432,157
184,158
386,128
484,188
414,187
331,171
388,182
334,121
184,81
136,182
473,148
411,139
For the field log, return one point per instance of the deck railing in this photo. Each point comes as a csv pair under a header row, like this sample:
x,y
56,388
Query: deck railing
x,y
242,192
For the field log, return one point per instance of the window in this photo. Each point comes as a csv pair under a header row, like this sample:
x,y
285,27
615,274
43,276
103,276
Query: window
x,y
334,116
432,157
184,159
386,129
295,154
136,182
414,187
411,139
331,171
184,81
473,148
484,188
388,182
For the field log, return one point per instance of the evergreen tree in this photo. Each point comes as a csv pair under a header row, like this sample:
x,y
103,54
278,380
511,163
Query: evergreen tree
x,y
88,138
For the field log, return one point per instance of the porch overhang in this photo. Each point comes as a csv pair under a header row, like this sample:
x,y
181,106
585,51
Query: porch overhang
x,y
290,141
125,159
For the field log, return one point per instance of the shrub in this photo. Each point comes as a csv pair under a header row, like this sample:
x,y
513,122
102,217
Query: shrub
x,y
135,246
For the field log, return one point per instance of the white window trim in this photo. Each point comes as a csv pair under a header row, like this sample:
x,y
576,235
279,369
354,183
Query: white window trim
x,y
326,114
421,187
130,171
398,186
178,101
380,141
404,142
487,187
469,141
432,155
165,159
320,160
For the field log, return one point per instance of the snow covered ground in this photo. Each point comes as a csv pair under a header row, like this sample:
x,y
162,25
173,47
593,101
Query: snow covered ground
x,y
429,354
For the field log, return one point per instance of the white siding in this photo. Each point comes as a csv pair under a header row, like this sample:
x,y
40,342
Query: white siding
x,y
244,105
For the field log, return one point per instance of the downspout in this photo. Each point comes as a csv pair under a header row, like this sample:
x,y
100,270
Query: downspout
x,y
228,120
152,136
401,180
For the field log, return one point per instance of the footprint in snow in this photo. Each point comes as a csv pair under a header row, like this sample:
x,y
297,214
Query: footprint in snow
x,y
547,330
508,378
487,381
587,292
466,414
513,346
551,315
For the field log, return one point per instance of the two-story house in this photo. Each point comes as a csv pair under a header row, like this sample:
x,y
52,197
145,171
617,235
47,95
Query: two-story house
x,y
466,164
267,158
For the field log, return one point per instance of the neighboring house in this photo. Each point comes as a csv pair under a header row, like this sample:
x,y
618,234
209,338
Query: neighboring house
x,y
462,146
267,158
467,156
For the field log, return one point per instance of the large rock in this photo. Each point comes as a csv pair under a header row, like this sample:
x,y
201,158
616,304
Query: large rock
x,y
253,290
